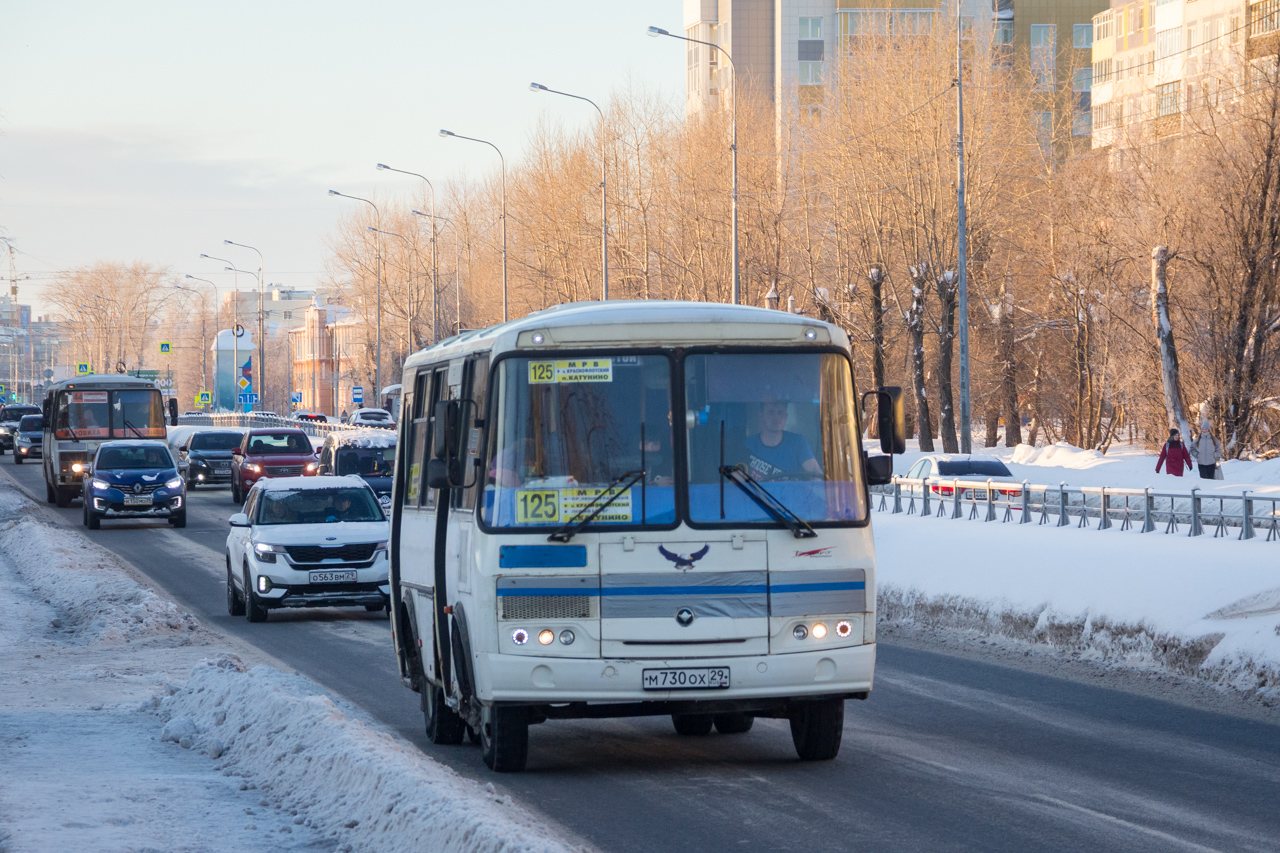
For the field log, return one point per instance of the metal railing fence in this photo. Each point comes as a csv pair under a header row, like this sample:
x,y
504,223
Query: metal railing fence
x,y
251,420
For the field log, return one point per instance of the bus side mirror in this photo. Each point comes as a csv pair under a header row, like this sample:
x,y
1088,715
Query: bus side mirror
x,y
891,419
173,411
444,434
437,474
879,470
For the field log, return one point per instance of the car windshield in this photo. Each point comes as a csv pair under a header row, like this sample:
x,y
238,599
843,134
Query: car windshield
x,y
13,413
568,429
318,506
119,458
31,423
373,416
972,468
789,421
215,440
267,443
366,461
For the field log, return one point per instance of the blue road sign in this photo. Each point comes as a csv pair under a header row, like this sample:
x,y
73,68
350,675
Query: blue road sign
x,y
296,397
251,399
357,394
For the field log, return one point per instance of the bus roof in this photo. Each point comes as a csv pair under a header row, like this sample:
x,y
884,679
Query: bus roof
x,y
639,323
103,382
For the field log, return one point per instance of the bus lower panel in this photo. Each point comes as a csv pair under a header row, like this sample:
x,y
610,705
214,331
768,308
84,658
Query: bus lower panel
x,y
756,707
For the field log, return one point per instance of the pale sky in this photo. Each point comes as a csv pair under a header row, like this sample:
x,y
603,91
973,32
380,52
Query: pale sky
x,y
152,131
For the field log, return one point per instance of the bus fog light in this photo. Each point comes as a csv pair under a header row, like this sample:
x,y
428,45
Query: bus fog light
x,y
566,637
819,631
546,637
799,632
519,636
843,628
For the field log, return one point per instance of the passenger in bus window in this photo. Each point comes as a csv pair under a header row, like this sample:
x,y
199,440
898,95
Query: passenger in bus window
x,y
775,453
509,463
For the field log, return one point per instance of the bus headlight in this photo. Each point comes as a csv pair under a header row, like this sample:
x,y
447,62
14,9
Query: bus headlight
x,y
77,467
546,637
799,632
819,631
519,636
567,637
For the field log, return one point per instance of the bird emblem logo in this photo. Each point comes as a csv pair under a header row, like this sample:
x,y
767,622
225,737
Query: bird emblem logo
x,y
684,562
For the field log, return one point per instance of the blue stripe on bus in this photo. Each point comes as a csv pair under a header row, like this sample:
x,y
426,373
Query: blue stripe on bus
x,y
816,587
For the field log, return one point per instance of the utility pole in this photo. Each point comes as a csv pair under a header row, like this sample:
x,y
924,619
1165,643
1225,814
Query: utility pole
x,y
966,439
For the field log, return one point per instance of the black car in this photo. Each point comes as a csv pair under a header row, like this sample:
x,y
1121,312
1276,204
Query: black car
x,y
208,456
10,416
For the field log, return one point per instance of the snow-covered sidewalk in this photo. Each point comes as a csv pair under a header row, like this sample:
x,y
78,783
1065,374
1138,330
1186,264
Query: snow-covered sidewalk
x,y
126,725
1202,608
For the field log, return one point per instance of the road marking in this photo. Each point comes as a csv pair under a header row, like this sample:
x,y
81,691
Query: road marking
x,y
1136,827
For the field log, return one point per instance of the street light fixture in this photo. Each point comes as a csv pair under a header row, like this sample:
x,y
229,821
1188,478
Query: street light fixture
x,y
457,266
378,252
262,328
604,192
435,287
655,32
449,133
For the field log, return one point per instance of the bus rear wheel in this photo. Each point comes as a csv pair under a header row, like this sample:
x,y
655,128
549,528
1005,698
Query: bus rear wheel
x,y
49,495
816,727
504,738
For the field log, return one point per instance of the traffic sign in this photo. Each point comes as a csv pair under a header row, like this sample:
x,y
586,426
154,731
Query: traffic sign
x,y
82,369
357,394
295,397
165,347
251,399
1,390
204,398
243,383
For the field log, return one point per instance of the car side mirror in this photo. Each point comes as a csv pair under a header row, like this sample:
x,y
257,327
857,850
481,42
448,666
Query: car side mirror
x,y
879,470
235,451
183,448
239,520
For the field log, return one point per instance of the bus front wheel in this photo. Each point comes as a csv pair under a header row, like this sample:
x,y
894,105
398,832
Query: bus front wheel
x,y
62,497
504,738
444,726
816,727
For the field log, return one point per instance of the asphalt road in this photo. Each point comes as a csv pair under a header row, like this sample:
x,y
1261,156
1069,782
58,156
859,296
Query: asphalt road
x,y
947,754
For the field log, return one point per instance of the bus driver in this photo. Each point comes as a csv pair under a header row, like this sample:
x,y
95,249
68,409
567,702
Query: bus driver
x,y
776,453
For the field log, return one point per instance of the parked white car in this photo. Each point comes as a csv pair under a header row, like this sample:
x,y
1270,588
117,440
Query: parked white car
x,y
942,467
372,418
307,542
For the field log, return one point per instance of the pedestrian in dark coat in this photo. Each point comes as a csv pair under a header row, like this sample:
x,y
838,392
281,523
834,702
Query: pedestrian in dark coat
x,y
1174,455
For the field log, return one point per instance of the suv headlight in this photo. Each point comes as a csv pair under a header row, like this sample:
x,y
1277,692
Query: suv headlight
x,y
101,484
252,467
175,483
267,553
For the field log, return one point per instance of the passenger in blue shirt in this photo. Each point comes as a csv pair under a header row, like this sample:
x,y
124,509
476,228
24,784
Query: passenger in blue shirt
x,y
778,454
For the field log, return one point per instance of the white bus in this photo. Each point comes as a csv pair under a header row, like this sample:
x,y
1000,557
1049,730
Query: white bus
x,y
636,508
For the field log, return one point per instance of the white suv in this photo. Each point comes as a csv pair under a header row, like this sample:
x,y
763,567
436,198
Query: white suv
x,y
307,542
372,418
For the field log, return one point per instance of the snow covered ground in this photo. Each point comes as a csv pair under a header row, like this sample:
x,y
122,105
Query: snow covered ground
x,y
125,725
1199,607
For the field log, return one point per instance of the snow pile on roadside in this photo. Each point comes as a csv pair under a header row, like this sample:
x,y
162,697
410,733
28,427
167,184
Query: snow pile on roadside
x,y
343,775
100,600
1200,608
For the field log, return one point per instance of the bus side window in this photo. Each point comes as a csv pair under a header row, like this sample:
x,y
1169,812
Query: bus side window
x,y
439,388
415,440
478,381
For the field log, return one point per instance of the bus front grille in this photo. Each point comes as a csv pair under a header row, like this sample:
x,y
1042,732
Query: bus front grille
x,y
519,607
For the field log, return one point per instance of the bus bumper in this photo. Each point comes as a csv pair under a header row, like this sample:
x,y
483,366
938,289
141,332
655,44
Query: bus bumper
x,y
552,680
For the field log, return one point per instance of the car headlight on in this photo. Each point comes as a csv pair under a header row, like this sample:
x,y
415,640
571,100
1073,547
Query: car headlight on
x,y
267,553
101,484
311,467
175,483
254,468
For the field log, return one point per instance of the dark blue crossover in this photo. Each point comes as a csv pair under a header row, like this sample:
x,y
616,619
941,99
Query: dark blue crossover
x,y
134,479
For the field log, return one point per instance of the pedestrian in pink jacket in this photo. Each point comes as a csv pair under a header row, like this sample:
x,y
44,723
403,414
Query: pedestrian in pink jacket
x,y
1174,455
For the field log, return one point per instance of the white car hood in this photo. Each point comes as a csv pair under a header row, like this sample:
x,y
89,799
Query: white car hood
x,y
318,534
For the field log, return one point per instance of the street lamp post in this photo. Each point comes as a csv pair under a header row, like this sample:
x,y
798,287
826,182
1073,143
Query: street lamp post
x,y
435,270
378,252
604,192
262,326
655,32
408,314
449,133
235,331
457,267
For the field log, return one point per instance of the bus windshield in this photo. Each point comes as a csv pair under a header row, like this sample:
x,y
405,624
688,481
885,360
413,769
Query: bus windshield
x,y
785,420
135,413
569,429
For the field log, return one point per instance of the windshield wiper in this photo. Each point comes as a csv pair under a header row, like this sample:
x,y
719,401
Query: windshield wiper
x,y
738,474
598,505
132,427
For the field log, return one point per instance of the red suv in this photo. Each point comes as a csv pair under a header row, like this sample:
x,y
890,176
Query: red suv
x,y
265,453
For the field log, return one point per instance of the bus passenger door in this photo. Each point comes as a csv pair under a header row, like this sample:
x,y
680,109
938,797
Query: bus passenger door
x,y
417,527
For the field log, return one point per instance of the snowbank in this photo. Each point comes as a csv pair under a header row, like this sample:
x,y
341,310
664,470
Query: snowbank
x,y
328,761
1198,607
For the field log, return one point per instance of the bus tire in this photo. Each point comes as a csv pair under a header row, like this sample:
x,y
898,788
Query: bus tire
x,y
692,725
62,497
235,602
49,495
816,727
504,738
444,726
734,724
253,611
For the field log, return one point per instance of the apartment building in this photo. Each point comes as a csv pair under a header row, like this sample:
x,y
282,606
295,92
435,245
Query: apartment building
x,y
1153,62
787,48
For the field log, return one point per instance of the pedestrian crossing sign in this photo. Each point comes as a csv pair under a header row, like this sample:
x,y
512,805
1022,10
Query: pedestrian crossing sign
x,y
204,398
82,369
165,347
